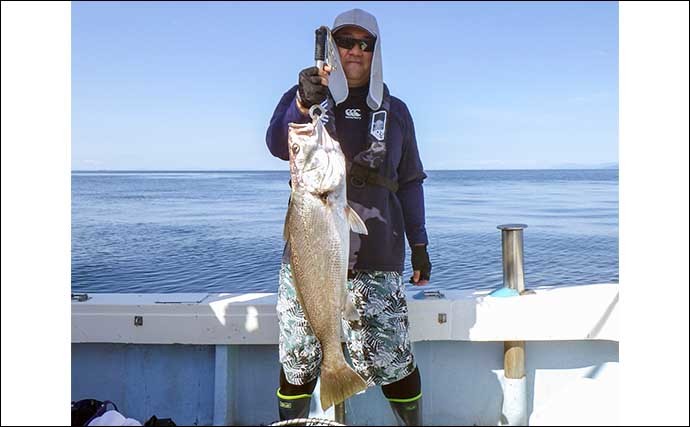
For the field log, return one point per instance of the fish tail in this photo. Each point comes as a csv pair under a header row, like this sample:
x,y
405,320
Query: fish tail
x,y
338,382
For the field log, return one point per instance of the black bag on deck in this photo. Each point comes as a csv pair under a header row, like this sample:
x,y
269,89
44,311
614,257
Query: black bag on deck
x,y
155,421
83,410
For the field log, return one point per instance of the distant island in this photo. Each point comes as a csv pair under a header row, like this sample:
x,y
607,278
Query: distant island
x,y
581,166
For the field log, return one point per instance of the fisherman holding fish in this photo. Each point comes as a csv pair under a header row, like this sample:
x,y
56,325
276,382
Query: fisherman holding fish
x,y
356,194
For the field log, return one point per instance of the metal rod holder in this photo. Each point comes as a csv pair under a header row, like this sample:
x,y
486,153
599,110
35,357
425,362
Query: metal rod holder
x,y
511,240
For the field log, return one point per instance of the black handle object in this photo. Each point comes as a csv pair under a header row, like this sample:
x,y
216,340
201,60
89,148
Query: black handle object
x,y
320,47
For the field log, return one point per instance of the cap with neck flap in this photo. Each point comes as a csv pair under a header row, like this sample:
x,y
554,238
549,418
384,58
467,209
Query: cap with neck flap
x,y
338,80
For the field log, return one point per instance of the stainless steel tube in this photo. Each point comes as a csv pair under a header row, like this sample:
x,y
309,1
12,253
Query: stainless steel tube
x,y
511,239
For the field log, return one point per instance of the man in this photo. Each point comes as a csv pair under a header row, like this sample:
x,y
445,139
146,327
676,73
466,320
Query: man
x,y
384,187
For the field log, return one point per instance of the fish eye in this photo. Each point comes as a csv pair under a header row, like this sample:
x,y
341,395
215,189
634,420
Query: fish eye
x,y
295,148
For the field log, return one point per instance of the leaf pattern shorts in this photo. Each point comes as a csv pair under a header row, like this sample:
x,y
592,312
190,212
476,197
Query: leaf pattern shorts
x,y
378,342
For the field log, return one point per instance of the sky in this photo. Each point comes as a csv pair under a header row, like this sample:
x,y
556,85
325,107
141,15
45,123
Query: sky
x,y
193,85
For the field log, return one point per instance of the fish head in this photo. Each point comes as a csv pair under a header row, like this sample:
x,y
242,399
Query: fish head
x,y
317,164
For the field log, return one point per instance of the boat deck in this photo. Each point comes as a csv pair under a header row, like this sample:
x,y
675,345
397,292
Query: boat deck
x,y
212,359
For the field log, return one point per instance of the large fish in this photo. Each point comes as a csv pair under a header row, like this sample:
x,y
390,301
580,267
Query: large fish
x,y
317,227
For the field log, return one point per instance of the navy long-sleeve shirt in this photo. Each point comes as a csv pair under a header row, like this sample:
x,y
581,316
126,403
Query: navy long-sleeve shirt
x,y
387,215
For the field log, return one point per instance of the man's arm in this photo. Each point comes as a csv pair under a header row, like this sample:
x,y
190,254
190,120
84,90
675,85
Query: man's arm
x,y
286,112
410,177
313,89
411,195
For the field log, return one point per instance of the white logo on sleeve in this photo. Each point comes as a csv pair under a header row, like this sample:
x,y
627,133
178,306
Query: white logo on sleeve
x,y
353,113
324,116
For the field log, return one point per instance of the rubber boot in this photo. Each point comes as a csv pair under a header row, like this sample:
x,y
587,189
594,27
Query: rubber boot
x,y
291,407
408,412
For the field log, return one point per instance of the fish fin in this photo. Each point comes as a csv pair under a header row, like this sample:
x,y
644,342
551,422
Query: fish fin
x,y
286,233
350,312
356,223
338,382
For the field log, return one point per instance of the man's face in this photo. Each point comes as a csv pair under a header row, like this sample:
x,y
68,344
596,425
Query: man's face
x,y
355,61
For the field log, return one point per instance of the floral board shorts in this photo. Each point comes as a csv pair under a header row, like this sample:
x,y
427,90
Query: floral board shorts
x,y
378,342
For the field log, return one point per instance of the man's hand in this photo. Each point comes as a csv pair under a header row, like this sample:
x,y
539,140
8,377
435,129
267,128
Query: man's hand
x,y
313,86
421,266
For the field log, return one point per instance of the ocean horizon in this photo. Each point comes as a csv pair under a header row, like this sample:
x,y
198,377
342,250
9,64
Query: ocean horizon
x,y
145,231
615,167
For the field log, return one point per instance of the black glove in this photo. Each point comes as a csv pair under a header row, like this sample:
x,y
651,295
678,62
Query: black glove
x,y
311,91
420,261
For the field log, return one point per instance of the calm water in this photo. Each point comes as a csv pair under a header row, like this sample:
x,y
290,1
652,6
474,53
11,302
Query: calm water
x,y
222,231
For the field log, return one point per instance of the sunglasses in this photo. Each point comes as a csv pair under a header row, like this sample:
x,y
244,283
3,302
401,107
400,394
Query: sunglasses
x,y
367,45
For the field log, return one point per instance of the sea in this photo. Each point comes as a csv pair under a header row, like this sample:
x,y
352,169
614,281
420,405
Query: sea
x,y
221,231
